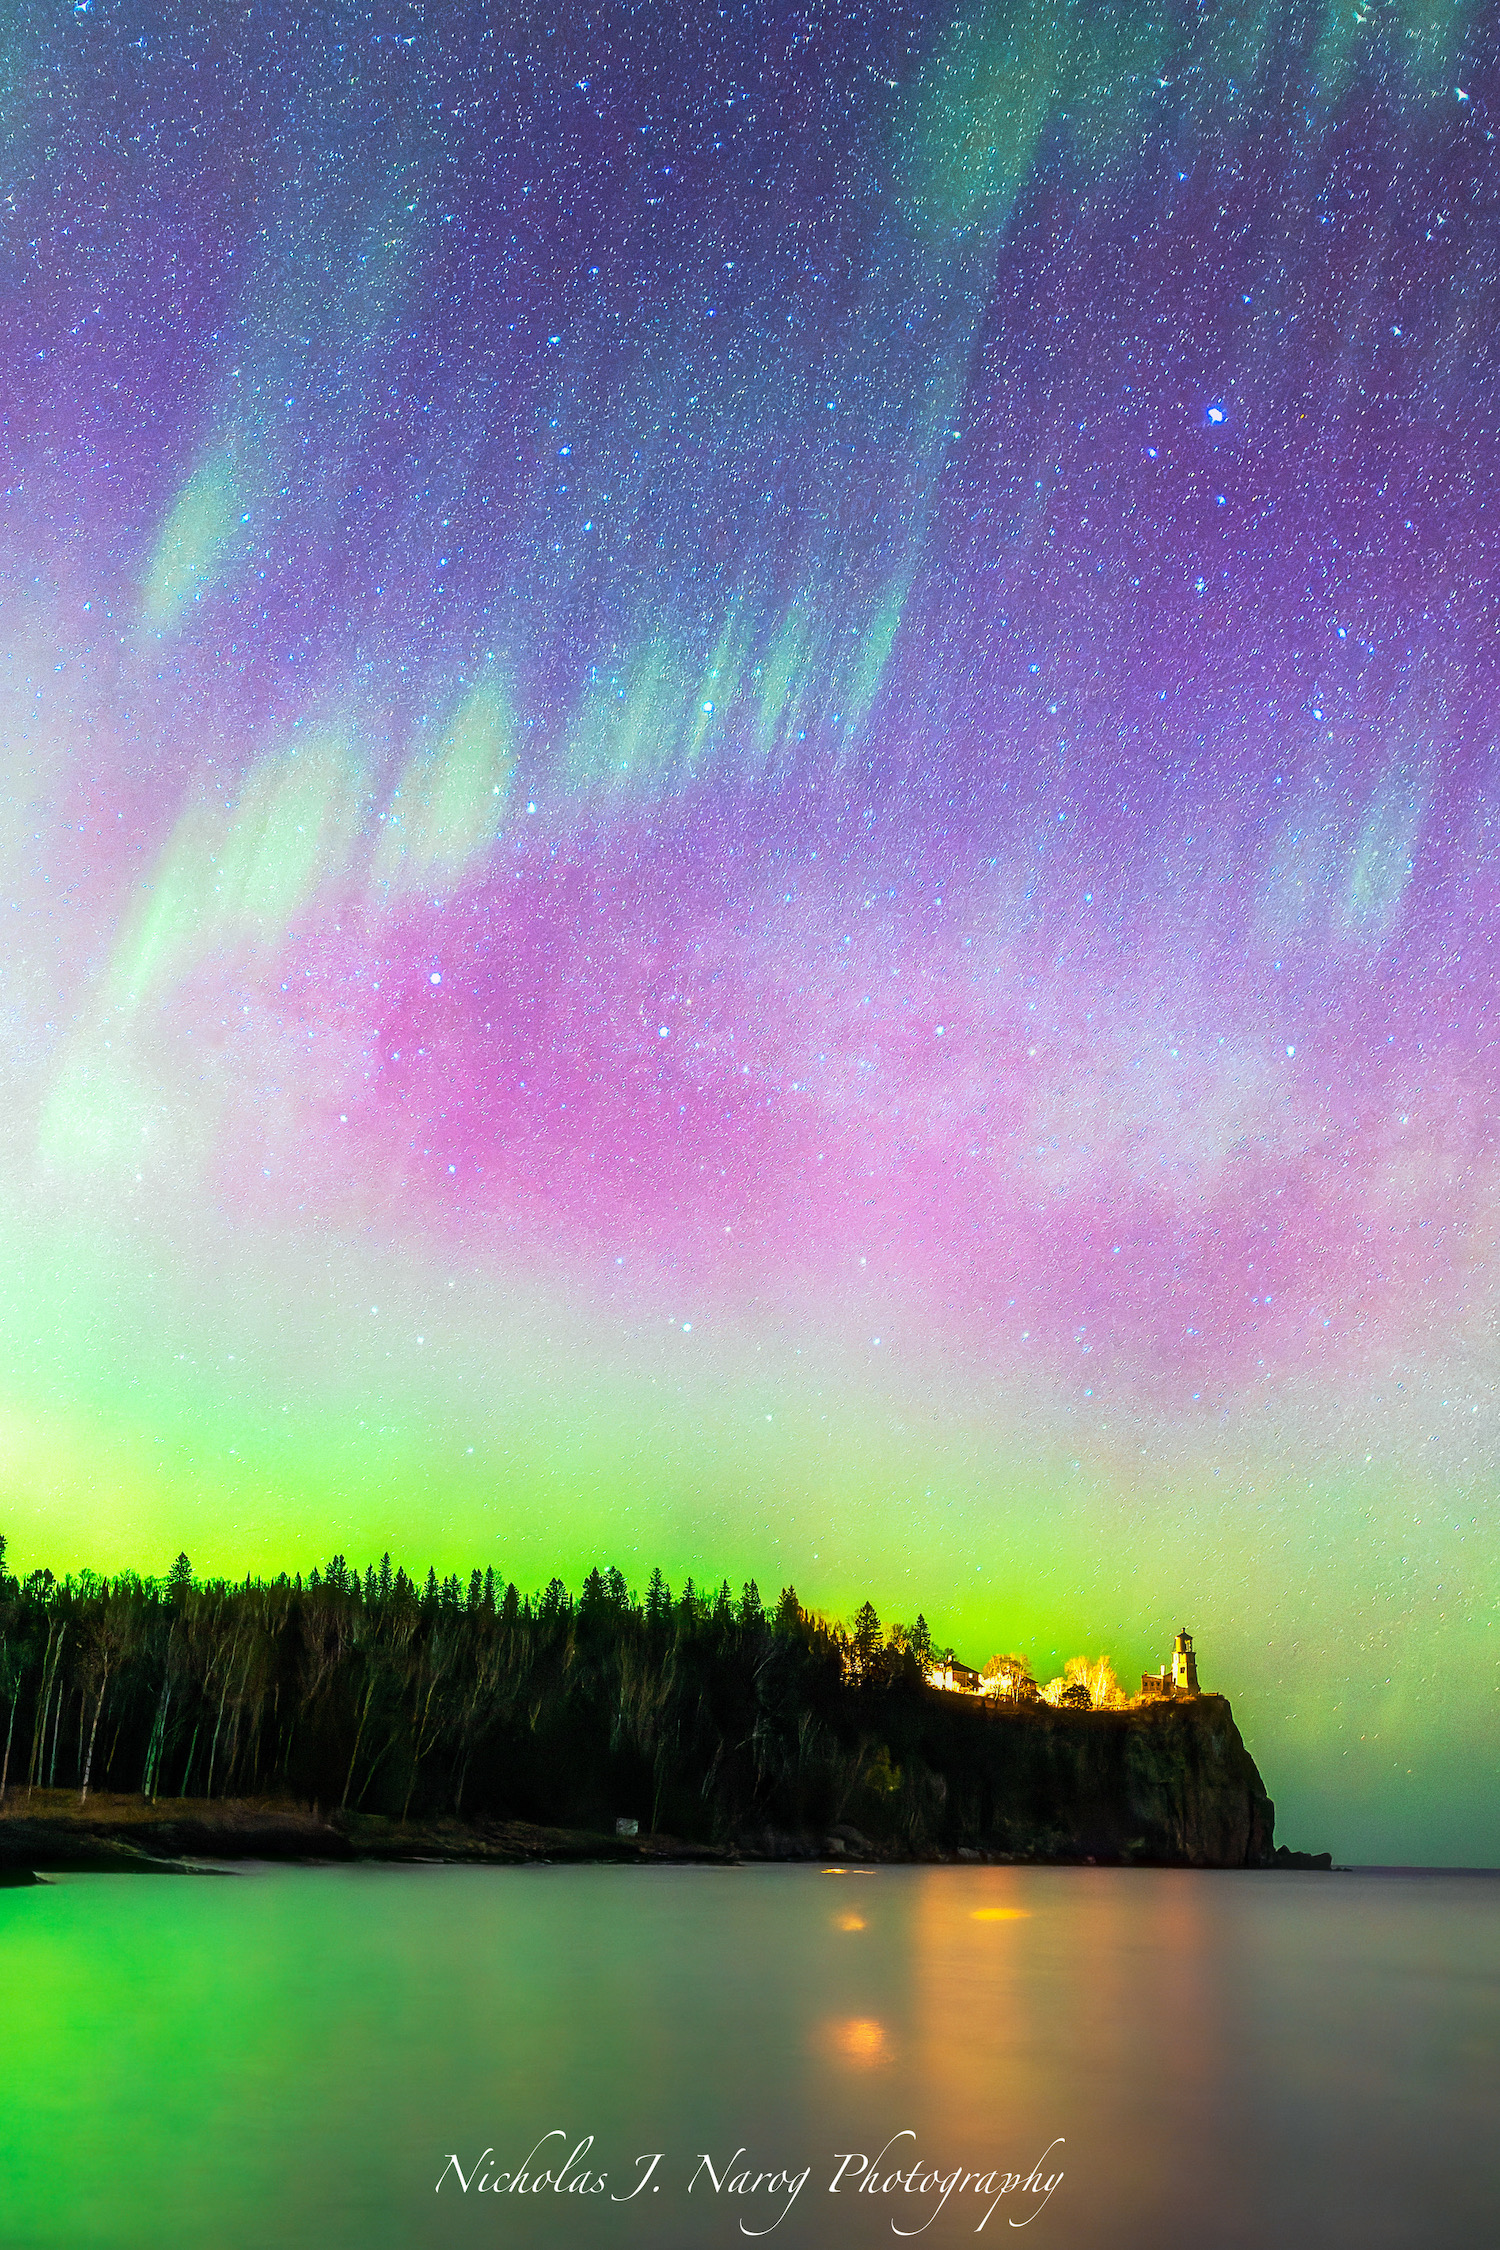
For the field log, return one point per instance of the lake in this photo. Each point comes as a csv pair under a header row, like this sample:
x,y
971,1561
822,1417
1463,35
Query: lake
x,y
289,2056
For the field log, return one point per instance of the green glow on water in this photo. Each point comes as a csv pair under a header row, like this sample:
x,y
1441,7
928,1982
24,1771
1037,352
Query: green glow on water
x,y
287,2056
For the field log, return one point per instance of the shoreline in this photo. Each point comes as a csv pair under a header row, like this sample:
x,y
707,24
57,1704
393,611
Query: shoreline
x,y
51,1833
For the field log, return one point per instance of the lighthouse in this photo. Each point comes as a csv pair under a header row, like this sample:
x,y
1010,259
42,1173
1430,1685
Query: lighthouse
x,y
1184,1665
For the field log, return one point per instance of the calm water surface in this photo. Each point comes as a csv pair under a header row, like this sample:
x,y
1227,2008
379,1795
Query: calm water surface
x,y
286,2056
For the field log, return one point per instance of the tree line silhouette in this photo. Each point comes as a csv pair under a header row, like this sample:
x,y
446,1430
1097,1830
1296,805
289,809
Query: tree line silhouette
x,y
696,1713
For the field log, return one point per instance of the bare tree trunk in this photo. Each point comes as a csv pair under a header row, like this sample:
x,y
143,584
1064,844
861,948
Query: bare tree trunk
x,y
661,1783
418,1747
5,1767
39,1726
56,1731
161,1751
375,1763
218,1723
38,1722
88,1763
157,1743
358,1739
155,1746
255,1742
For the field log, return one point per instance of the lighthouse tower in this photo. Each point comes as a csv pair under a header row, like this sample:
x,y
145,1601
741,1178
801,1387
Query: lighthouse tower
x,y
1184,1665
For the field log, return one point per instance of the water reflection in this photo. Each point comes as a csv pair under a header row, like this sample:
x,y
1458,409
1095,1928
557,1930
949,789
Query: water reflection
x,y
291,2056
859,2040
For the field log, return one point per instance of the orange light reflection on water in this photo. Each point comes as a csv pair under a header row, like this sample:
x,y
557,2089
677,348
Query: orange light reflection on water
x,y
1084,1999
860,2041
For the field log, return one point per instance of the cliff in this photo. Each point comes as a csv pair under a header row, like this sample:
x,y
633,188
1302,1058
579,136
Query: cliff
x,y
1160,1784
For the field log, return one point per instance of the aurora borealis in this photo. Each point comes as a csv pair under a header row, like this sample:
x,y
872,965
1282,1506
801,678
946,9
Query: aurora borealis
x,y
749,777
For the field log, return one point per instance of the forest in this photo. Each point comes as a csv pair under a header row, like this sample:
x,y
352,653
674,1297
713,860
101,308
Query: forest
x,y
714,1719
692,1713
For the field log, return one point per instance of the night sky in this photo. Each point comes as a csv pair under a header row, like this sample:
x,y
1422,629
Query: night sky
x,y
748,818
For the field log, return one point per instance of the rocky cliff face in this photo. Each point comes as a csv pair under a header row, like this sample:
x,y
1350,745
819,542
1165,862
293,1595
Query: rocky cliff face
x,y
1163,1784
1193,1791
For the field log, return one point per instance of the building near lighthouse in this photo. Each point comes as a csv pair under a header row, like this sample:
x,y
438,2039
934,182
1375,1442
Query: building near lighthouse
x,y
1183,1677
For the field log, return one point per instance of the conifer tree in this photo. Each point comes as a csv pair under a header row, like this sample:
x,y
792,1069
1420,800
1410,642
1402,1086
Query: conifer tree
x,y
866,1644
